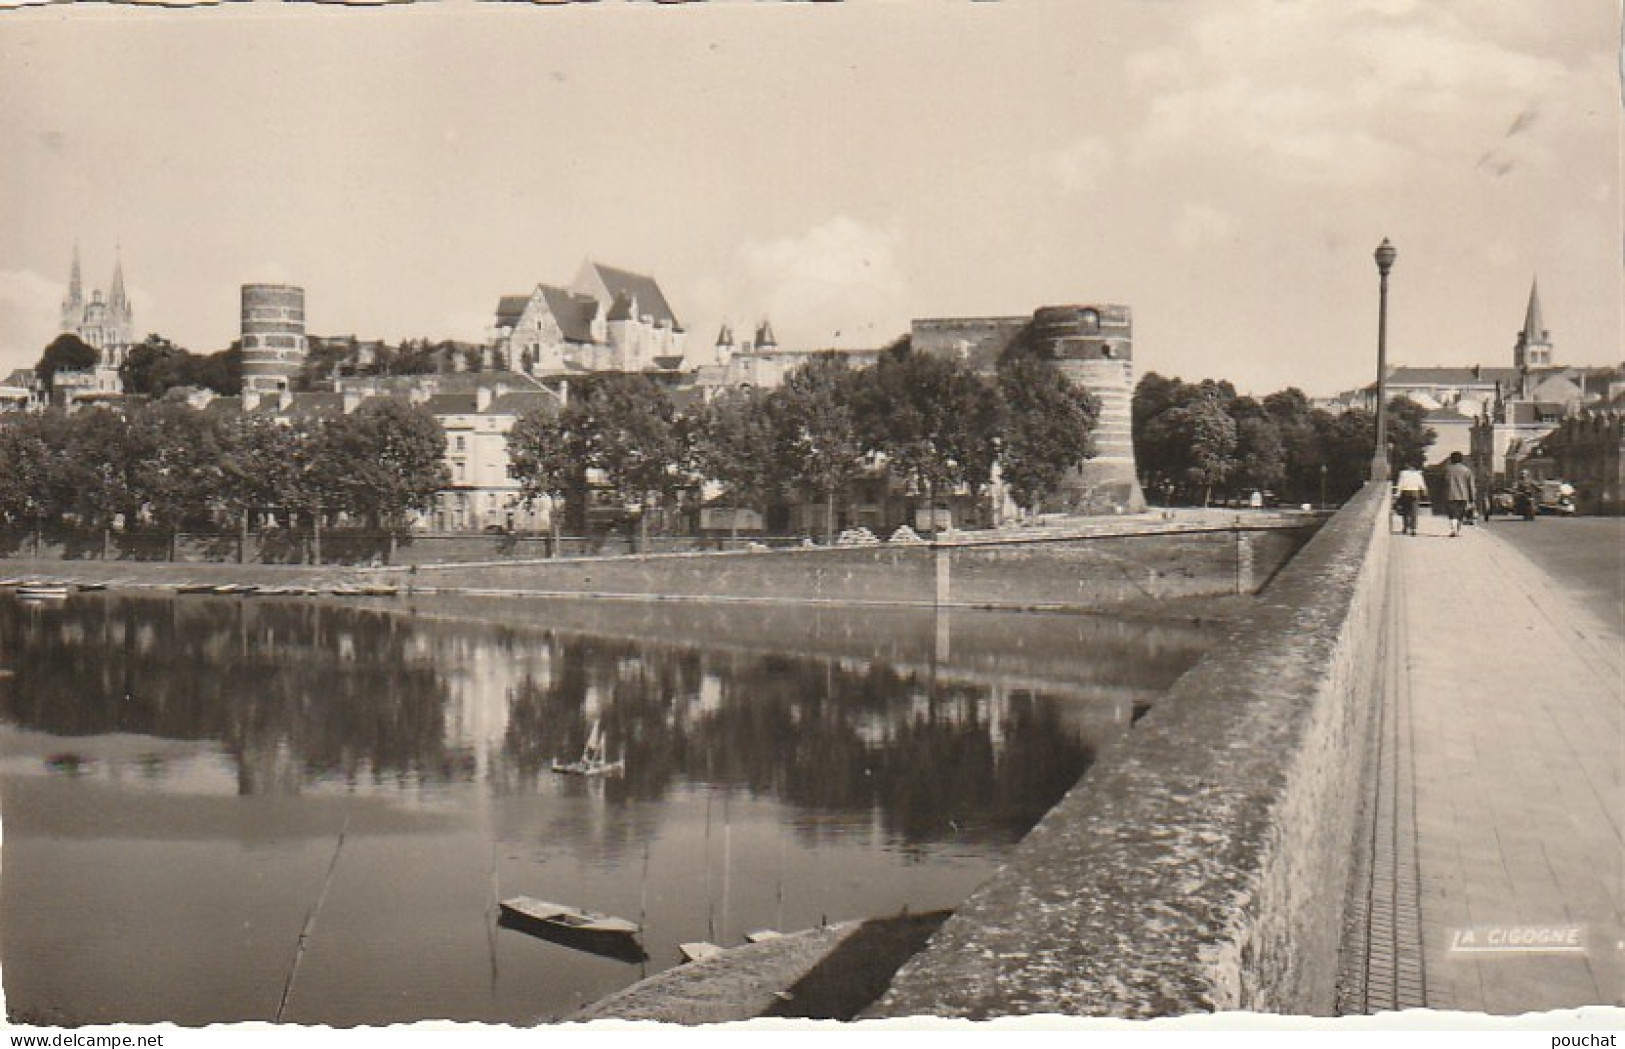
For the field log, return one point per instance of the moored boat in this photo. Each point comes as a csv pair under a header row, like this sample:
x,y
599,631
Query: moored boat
x,y
573,927
43,591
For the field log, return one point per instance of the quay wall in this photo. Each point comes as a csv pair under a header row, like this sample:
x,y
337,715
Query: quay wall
x,y
1202,863
1066,572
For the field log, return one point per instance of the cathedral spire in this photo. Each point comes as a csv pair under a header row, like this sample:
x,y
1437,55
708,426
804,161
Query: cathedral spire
x,y
115,296
73,307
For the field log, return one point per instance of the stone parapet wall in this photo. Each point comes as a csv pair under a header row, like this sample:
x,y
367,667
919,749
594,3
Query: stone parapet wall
x,y
1202,864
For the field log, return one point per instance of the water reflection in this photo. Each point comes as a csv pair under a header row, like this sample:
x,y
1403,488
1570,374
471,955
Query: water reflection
x,y
780,766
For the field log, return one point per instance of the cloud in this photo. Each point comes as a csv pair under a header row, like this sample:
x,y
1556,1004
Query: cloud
x,y
838,283
1079,166
1335,95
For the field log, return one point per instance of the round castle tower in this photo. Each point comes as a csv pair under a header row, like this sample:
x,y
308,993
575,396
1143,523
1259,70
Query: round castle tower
x,y
1094,347
273,336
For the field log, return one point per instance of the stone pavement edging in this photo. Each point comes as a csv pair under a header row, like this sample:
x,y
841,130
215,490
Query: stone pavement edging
x,y
1202,864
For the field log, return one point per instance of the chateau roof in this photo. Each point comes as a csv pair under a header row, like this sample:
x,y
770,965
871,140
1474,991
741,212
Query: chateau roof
x,y
572,312
510,308
636,287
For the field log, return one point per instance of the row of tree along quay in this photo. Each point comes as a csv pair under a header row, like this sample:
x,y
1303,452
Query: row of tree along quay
x,y
930,422
618,440
169,468
1194,441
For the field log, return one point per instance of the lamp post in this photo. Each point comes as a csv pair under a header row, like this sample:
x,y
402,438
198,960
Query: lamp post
x,y
1384,255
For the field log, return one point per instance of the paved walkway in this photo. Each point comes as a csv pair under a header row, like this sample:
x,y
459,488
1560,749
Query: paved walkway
x,y
1493,878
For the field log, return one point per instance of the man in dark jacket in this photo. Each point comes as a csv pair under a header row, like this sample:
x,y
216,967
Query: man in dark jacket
x,y
1460,490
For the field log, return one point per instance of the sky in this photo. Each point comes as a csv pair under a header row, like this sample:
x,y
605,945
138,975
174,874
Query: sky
x,y
1225,168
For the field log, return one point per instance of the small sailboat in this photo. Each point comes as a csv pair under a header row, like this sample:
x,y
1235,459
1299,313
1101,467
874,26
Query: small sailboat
x,y
42,591
594,760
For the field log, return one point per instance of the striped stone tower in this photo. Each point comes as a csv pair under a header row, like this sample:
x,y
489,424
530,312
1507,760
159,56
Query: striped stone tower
x,y
1094,346
273,336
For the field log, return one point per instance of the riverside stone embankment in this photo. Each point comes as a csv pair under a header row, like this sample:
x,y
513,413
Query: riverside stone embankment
x,y
1201,865
1077,564
1090,566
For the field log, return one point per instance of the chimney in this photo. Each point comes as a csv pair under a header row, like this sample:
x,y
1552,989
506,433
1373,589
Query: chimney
x,y
482,397
1478,371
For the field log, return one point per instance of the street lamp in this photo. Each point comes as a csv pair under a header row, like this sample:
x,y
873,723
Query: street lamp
x,y
1384,255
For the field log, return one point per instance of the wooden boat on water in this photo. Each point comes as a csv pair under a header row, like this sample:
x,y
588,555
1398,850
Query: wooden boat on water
x,y
572,927
195,588
42,591
594,760
90,587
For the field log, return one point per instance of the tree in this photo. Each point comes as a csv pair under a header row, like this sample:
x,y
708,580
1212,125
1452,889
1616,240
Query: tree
x,y
1048,427
106,456
389,459
932,418
66,352
1195,439
1260,457
1302,455
1409,436
179,480
35,485
733,444
816,440
258,470
634,442
547,455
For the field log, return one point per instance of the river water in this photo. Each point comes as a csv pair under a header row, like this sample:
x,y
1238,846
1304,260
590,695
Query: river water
x,y
221,809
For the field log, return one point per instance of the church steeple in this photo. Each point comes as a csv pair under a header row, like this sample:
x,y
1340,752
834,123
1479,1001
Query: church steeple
x,y
1534,346
115,296
73,307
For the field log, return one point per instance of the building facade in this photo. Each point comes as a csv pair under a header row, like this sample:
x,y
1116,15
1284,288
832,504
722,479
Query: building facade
x,y
106,325
609,319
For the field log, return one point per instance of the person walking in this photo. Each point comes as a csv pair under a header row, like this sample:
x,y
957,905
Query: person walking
x,y
1460,490
1408,494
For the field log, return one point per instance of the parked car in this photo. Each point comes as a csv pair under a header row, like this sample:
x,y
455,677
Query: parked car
x,y
1555,497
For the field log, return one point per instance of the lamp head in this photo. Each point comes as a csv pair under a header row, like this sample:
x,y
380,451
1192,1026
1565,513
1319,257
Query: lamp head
x,y
1385,255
